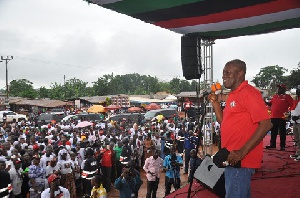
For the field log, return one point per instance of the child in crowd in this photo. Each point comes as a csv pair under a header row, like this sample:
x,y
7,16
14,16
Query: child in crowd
x,y
98,190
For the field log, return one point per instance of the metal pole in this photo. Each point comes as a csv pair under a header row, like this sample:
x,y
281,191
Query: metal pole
x,y
7,59
6,81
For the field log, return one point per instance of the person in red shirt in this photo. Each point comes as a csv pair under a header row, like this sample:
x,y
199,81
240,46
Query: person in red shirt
x,y
106,166
280,104
244,123
64,141
187,104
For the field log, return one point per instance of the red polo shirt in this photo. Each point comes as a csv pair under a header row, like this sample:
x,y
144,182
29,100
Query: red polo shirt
x,y
280,104
106,158
244,109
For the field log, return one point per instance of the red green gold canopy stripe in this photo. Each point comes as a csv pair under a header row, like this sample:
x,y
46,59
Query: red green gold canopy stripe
x,y
215,19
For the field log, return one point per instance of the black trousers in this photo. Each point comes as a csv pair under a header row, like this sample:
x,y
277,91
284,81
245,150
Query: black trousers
x,y
106,177
169,182
279,125
187,157
87,186
152,187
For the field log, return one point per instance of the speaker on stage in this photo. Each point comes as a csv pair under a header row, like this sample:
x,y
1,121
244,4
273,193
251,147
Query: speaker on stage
x,y
191,57
211,176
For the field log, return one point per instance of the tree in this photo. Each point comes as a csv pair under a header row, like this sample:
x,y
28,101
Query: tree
x,y
74,88
22,88
43,92
294,79
100,87
175,85
268,77
57,91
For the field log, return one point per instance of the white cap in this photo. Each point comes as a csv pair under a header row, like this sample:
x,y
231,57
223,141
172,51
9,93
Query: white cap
x,y
2,159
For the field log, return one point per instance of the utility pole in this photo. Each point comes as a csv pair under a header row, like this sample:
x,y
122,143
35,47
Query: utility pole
x,y
65,87
7,59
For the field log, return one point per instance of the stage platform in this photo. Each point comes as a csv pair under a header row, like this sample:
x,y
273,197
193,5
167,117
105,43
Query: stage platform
x,y
279,176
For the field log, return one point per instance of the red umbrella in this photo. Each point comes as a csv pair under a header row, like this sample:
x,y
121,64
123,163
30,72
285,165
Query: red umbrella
x,y
134,109
113,107
152,106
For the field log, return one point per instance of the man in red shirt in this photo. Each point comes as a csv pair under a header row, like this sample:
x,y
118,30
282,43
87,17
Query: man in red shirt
x,y
280,104
244,123
187,105
106,166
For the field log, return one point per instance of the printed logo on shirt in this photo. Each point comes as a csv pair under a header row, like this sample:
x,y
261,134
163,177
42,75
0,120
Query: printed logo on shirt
x,y
232,104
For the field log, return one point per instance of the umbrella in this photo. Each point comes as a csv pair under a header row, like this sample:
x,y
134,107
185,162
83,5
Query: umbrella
x,y
113,107
96,109
152,106
84,124
134,109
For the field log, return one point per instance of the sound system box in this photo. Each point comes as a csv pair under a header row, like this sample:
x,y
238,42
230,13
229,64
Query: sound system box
x,y
211,177
191,57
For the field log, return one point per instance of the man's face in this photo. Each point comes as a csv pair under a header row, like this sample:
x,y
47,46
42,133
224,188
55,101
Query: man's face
x,y
280,90
53,163
32,140
17,165
48,151
230,76
2,165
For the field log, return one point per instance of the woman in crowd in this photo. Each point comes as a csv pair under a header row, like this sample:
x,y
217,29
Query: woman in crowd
x,y
66,169
148,146
37,176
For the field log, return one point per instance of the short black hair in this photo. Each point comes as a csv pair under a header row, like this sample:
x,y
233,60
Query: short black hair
x,y
241,65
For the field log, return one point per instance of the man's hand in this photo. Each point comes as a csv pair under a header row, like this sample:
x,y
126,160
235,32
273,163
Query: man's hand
x,y
212,97
153,174
234,157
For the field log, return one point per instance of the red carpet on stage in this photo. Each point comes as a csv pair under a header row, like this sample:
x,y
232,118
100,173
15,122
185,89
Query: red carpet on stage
x,y
279,176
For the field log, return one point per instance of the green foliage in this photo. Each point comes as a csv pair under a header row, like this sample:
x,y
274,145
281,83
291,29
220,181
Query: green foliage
x,y
268,77
294,78
43,92
22,88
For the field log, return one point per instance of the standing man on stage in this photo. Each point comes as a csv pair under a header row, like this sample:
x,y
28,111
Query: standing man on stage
x,y
280,104
152,167
244,123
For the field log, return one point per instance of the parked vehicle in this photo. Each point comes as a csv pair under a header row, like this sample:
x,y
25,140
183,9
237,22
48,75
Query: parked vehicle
x,y
167,113
133,116
57,111
12,116
48,117
84,116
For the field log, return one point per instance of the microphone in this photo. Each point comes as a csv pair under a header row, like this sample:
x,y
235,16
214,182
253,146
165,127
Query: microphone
x,y
214,88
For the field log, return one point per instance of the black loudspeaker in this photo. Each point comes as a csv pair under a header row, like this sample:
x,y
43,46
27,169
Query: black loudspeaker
x,y
211,177
191,57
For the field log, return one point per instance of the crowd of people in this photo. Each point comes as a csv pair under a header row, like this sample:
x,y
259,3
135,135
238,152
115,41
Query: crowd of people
x,y
89,161
60,159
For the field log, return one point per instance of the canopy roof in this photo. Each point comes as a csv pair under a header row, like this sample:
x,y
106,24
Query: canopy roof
x,y
214,19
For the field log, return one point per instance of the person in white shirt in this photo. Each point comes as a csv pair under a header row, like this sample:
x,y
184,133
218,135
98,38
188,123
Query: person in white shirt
x,y
66,170
16,177
152,167
45,159
52,167
55,190
295,120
